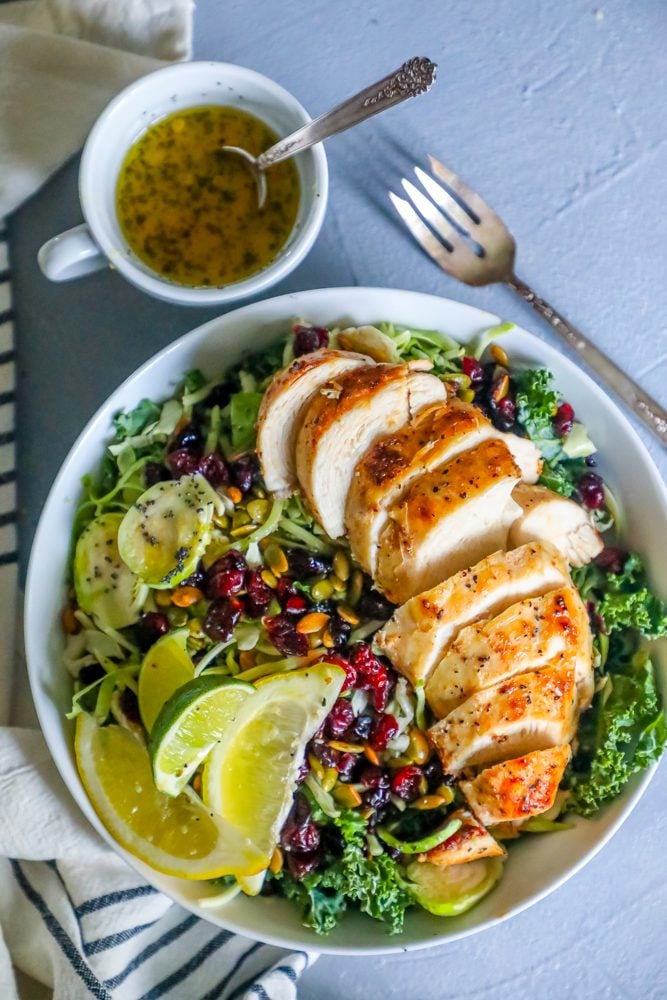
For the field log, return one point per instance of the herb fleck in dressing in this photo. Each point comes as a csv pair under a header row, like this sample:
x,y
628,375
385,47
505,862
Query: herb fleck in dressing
x,y
190,212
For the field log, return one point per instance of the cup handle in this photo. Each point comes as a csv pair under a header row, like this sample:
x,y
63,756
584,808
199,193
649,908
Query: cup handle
x,y
71,255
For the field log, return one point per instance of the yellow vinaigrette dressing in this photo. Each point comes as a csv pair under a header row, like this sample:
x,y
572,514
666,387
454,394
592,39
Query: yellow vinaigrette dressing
x,y
190,212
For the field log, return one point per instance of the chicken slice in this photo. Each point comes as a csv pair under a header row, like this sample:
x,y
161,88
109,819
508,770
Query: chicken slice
x,y
389,467
448,519
547,516
419,632
343,419
519,788
531,711
530,634
470,843
284,406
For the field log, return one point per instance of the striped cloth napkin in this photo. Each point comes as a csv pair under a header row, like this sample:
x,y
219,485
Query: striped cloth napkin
x,y
73,915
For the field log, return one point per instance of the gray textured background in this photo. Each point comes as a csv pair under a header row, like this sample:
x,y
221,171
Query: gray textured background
x,y
556,111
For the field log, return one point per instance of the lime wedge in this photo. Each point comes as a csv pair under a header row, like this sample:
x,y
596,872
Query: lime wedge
x,y
166,667
190,724
178,836
250,776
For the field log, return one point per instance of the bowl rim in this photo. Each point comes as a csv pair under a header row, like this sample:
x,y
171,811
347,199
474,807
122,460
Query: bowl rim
x,y
347,295
313,199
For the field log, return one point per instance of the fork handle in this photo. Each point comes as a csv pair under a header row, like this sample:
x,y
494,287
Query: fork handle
x,y
641,404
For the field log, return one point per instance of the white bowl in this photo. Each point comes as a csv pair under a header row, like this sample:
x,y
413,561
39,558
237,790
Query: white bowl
x,y
536,865
182,85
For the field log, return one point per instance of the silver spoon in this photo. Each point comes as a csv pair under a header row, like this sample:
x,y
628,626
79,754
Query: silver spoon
x,y
413,78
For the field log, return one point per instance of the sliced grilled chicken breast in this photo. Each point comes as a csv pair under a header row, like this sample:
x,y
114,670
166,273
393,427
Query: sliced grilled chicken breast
x,y
343,419
448,519
519,788
547,516
284,406
470,843
390,465
531,711
553,628
420,631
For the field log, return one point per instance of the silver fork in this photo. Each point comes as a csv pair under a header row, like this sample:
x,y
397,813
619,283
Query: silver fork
x,y
461,220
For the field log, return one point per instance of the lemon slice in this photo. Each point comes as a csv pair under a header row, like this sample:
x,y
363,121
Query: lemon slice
x,y
189,725
250,776
166,667
177,836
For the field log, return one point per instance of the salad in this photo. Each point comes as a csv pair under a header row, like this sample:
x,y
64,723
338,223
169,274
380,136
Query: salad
x,y
236,723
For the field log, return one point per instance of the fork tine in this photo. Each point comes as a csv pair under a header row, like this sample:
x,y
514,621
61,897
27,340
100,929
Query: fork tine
x,y
472,200
444,200
462,260
421,232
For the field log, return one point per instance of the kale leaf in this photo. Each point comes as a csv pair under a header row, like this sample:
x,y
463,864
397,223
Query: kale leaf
x,y
623,733
134,421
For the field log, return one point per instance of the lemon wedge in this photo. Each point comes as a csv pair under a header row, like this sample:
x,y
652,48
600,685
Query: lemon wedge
x,y
190,724
177,836
165,668
251,774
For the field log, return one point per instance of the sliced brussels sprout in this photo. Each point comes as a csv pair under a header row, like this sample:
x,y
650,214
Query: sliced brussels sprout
x,y
105,586
448,892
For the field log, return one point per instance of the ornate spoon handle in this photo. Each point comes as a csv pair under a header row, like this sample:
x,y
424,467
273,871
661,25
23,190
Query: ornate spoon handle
x,y
641,404
413,78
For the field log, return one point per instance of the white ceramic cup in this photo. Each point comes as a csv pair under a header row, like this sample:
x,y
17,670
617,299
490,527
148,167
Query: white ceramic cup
x,y
100,243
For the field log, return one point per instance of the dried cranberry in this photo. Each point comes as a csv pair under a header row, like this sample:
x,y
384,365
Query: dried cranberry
x,y
433,772
373,777
339,630
346,766
406,782
284,636
612,560
473,369
372,675
303,564
384,730
259,594
218,396
564,419
304,770
374,605
591,461
152,625
378,797
232,559
309,338
503,413
226,583
299,832
244,472
154,473
284,590
295,605
182,462
212,467
301,865
591,490
227,575
221,619
393,852
190,437
324,753
361,727
341,661
340,717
